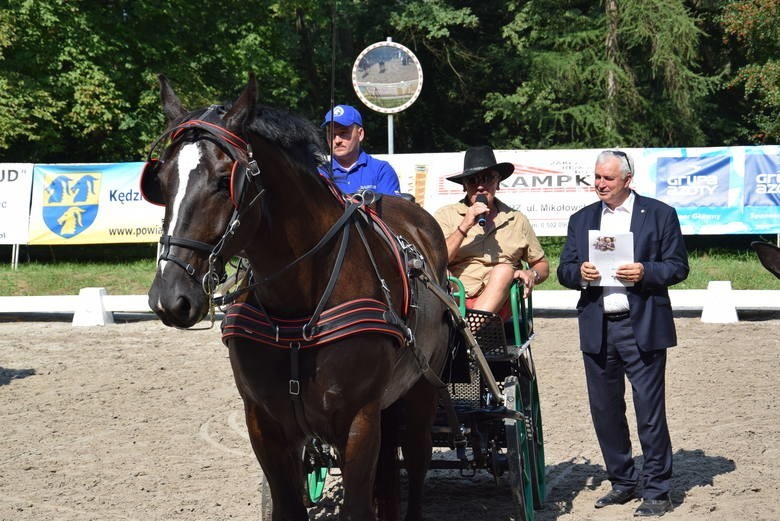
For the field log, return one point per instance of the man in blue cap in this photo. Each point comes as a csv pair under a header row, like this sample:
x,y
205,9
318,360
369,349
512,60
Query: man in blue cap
x,y
353,169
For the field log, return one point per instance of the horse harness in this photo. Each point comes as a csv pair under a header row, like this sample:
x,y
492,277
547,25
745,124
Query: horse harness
x,y
359,316
325,326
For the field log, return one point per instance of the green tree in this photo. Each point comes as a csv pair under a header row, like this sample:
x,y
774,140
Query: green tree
x,y
78,78
449,42
617,73
751,27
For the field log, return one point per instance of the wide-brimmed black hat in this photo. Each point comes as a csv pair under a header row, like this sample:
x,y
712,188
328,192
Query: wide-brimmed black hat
x,y
479,159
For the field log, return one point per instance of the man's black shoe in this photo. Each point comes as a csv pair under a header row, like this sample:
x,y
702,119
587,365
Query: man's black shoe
x,y
653,507
615,497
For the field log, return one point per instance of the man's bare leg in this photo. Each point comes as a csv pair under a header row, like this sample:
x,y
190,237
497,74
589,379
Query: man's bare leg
x,y
496,291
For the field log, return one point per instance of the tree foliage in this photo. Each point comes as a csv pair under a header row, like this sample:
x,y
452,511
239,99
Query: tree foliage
x,y
78,78
752,25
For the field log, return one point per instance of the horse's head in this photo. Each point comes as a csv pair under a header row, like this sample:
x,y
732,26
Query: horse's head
x,y
204,169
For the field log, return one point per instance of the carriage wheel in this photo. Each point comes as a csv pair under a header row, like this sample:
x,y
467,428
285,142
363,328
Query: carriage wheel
x,y
316,465
536,444
517,453
315,484
266,502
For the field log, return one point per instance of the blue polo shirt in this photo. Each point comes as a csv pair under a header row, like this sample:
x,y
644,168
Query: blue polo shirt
x,y
367,173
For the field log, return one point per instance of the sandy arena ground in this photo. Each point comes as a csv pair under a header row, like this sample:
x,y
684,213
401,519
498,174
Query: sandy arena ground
x,y
137,421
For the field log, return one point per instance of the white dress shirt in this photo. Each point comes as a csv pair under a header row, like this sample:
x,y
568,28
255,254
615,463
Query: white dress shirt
x,y
616,221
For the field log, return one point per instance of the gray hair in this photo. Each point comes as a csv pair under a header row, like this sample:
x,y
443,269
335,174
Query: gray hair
x,y
626,165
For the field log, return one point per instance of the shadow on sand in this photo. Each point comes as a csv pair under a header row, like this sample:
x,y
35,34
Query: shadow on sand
x,y
692,468
6,374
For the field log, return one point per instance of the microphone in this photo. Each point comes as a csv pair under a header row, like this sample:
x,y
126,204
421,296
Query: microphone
x,y
481,198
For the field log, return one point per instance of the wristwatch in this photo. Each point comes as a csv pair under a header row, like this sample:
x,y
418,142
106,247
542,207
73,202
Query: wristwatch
x,y
536,275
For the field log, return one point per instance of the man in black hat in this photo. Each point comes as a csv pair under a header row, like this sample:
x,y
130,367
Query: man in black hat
x,y
487,240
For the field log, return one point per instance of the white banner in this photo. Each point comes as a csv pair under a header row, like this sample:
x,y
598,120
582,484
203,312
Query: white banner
x,y
15,190
547,185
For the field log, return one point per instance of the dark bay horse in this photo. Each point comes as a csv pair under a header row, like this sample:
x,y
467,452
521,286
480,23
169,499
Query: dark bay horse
x,y
332,340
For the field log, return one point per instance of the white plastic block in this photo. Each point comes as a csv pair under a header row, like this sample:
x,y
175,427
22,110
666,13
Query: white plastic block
x,y
719,306
90,310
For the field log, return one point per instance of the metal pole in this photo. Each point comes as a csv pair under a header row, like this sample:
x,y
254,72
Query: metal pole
x,y
389,133
390,123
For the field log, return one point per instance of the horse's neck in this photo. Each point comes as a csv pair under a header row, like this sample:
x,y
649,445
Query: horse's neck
x,y
299,212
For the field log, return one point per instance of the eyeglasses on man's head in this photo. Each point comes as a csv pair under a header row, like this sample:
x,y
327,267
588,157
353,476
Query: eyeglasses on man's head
x,y
620,153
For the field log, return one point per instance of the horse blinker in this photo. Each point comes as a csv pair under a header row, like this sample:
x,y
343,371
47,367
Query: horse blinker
x,y
151,188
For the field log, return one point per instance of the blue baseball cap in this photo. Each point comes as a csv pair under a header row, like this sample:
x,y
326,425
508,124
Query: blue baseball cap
x,y
343,115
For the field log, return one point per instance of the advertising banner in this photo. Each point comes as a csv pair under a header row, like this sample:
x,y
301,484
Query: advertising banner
x,y
15,183
719,190
727,190
91,204
547,186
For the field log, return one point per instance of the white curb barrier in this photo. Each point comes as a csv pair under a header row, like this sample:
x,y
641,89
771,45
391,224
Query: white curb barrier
x,y
90,310
92,306
719,306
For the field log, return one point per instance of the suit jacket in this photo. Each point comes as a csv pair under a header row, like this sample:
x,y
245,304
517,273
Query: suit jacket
x,y
658,245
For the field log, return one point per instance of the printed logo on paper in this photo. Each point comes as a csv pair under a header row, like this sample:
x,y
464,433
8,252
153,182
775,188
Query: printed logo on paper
x,y
70,202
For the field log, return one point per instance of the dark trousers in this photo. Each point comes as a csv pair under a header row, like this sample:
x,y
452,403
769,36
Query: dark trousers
x,y
605,373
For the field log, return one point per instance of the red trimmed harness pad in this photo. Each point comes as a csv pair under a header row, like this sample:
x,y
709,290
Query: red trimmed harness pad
x,y
350,318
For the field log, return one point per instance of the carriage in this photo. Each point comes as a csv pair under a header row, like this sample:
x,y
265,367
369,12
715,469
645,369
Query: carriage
x,y
339,339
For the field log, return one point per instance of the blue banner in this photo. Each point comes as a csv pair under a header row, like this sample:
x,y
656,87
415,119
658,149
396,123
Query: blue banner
x,y
762,179
717,191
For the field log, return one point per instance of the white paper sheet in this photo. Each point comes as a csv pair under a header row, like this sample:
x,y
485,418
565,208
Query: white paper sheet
x,y
608,251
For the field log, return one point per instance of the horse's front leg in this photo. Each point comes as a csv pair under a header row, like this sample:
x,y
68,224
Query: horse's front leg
x,y
358,465
280,458
417,443
387,489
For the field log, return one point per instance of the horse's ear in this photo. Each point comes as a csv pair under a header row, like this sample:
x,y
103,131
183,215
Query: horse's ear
x,y
172,107
243,109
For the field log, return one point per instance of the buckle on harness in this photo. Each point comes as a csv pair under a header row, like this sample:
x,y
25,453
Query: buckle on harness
x,y
294,385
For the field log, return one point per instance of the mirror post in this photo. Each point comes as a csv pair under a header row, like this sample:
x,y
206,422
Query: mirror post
x,y
390,123
389,133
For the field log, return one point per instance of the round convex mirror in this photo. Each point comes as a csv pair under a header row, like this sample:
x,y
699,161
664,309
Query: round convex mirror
x,y
387,77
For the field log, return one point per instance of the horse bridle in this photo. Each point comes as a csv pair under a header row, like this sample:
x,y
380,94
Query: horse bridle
x,y
245,170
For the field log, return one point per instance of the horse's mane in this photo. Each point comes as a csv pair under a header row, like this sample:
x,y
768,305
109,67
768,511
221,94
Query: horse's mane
x,y
298,136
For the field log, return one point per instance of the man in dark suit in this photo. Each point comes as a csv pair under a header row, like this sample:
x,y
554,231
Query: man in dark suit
x,y
626,324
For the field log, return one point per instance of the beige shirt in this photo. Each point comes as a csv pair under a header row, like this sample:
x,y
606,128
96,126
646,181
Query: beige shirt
x,y
511,241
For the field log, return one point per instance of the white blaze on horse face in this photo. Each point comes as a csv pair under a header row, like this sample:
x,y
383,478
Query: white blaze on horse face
x,y
188,160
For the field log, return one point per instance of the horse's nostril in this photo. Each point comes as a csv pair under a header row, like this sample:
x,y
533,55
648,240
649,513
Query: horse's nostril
x,y
182,307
